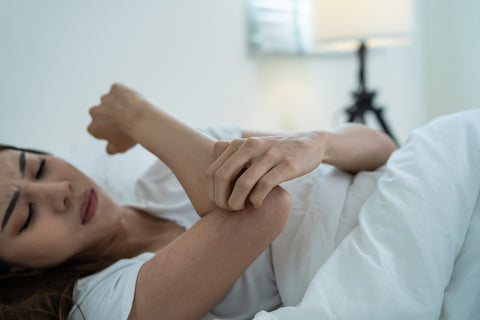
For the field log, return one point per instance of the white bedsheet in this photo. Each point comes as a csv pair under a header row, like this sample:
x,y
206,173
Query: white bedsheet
x,y
412,249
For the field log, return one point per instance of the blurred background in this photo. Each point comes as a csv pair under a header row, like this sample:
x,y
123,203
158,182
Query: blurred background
x,y
193,59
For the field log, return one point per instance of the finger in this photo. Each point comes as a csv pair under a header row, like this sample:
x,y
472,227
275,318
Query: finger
x,y
104,98
91,129
247,181
92,110
98,113
108,100
117,88
213,170
220,147
269,181
111,149
228,174
95,129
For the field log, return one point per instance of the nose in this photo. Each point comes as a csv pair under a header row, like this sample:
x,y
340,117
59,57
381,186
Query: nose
x,y
56,195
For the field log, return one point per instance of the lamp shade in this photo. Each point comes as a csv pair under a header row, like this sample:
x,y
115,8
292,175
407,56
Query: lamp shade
x,y
377,22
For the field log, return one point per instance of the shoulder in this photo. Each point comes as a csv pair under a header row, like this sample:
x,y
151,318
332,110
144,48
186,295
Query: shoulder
x,y
109,293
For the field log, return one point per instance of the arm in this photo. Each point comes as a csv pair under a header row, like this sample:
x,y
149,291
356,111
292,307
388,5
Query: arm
x,y
353,147
187,152
257,164
124,118
189,276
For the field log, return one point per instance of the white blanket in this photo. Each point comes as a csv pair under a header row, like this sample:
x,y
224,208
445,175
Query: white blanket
x,y
408,246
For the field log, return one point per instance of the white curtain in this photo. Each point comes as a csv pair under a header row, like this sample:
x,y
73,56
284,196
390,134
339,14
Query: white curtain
x,y
279,26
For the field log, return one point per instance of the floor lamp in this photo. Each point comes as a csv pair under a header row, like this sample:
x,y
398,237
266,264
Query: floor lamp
x,y
352,25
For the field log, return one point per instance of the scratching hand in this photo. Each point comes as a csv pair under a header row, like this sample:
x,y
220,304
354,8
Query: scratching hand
x,y
248,169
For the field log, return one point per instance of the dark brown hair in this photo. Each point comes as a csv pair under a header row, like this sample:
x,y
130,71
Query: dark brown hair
x,y
43,293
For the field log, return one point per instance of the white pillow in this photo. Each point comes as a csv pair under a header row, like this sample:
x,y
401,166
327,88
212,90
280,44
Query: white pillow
x,y
117,174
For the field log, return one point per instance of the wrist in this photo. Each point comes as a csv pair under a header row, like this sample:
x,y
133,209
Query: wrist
x,y
324,144
138,118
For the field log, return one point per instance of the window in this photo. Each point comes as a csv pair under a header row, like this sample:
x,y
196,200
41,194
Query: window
x,y
279,26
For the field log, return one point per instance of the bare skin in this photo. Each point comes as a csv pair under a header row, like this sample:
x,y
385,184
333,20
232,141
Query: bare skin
x,y
52,193
258,162
186,262
186,266
124,118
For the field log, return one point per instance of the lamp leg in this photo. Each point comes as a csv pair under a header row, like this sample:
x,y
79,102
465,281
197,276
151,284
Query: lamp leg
x,y
364,98
364,104
379,114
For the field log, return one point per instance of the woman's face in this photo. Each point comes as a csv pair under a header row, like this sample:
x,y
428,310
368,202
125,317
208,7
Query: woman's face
x,y
50,211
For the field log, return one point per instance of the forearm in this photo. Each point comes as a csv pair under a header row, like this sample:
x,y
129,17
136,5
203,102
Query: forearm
x,y
351,147
257,163
354,148
187,152
203,263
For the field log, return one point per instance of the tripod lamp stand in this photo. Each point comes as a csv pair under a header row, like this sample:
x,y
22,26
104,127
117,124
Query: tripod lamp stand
x,y
352,25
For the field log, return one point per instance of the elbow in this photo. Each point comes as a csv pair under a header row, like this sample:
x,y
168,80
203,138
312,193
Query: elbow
x,y
383,146
276,207
388,145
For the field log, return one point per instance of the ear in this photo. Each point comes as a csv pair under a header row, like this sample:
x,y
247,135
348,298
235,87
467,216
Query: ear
x,y
220,147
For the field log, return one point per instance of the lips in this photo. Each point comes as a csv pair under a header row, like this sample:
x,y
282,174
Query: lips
x,y
88,206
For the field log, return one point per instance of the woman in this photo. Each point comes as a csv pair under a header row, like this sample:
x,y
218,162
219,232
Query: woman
x,y
55,218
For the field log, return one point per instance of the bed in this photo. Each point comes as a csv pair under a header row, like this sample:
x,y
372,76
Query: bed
x,y
403,244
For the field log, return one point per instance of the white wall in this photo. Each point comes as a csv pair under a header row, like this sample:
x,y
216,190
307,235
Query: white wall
x,y
452,55
189,57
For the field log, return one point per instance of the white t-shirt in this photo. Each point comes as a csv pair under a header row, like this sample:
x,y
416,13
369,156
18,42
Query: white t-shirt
x,y
109,293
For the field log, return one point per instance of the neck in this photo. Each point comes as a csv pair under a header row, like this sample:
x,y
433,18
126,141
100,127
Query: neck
x,y
137,232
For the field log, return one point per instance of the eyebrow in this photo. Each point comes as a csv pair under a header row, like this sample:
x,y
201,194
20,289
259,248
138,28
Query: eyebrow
x,y
11,206
23,162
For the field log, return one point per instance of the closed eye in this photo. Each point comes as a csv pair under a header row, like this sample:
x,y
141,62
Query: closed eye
x,y
31,213
41,169
31,206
